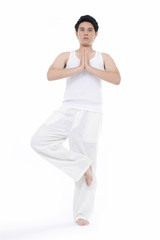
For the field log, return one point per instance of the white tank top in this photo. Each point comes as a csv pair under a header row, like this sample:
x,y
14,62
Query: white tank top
x,y
83,90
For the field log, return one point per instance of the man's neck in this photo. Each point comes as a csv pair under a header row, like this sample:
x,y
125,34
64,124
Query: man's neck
x,y
88,49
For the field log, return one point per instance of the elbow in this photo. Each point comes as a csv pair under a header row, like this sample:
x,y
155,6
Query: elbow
x,y
49,76
118,80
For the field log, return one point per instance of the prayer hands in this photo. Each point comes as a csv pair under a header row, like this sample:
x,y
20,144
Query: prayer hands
x,y
84,60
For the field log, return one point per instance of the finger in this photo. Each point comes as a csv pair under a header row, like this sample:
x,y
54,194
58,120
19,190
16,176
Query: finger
x,y
84,54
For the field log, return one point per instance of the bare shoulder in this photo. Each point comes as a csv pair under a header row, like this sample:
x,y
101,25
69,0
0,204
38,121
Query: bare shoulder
x,y
106,56
109,63
61,60
64,56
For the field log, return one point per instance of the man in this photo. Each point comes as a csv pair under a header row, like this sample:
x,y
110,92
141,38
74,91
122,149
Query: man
x,y
80,116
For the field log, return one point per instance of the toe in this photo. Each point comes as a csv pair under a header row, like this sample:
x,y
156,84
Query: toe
x,y
82,222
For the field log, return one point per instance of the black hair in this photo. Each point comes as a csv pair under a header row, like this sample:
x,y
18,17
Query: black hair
x,y
87,18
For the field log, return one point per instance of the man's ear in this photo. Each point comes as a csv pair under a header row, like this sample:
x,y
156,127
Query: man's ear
x,y
96,34
76,34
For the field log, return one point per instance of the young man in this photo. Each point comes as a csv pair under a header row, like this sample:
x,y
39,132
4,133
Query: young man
x,y
80,116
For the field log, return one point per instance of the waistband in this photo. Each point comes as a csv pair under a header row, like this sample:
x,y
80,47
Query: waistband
x,y
84,105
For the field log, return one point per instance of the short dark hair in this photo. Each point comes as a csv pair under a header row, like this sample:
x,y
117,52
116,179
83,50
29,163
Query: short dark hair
x,y
87,18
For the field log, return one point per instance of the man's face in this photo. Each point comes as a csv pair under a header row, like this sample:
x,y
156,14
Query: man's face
x,y
86,33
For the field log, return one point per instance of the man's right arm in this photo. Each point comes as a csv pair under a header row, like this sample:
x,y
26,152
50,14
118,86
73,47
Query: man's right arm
x,y
57,70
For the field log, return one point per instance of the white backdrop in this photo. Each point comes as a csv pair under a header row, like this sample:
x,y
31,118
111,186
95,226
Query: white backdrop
x,y
36,198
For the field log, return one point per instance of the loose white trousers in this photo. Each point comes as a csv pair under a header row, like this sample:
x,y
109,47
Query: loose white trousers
x,y
82,128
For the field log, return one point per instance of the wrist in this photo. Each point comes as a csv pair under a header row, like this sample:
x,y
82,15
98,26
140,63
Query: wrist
x,y
88,68
80,68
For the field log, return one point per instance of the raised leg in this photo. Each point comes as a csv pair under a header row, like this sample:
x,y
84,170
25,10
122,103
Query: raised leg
x,y
48,143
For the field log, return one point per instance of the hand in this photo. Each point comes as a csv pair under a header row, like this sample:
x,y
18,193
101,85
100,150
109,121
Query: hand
x,y
82,63
84,60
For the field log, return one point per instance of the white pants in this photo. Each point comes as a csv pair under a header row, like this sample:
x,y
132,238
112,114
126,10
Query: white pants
x,y
82,129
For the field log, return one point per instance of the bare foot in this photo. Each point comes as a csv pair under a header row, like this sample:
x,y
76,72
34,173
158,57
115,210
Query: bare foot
x,y
89,176
82,222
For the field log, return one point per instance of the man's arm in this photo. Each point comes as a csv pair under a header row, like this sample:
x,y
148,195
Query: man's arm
x,y
110,74
57,70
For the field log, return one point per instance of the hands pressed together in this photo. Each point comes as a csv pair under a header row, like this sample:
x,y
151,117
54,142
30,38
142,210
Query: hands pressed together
x,y
84,64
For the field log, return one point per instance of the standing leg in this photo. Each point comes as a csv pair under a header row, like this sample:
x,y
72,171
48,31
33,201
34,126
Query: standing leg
x,y
48,143
84,139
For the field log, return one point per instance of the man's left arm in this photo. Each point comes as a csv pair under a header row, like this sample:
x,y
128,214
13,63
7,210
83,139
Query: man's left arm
x,y
110,72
